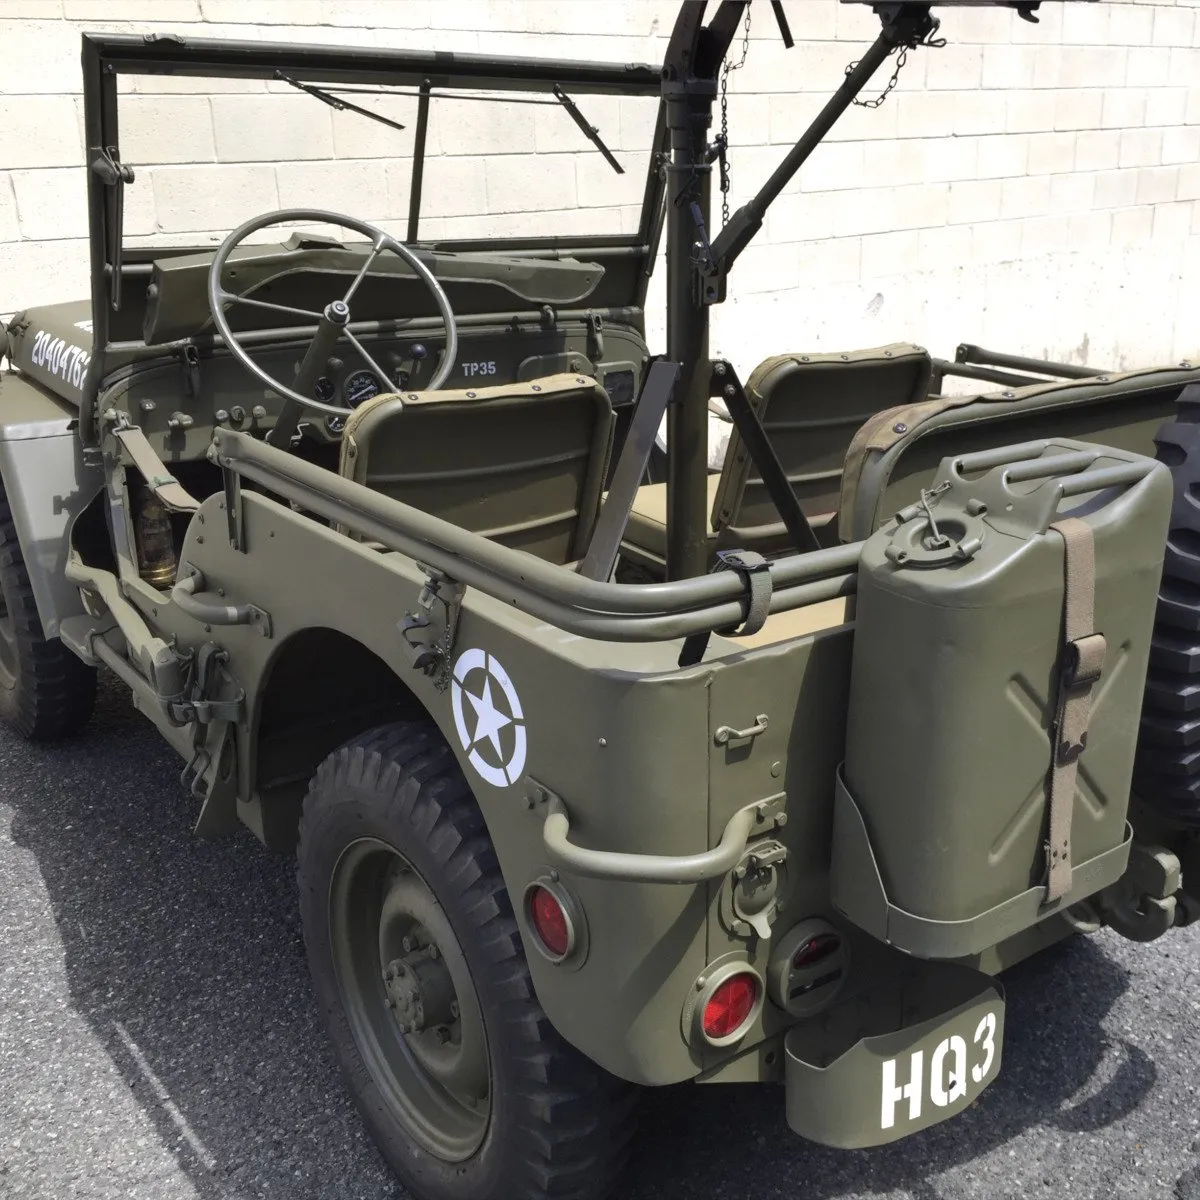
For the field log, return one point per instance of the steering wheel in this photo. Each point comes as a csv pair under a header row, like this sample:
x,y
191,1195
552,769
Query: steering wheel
x,y
332,324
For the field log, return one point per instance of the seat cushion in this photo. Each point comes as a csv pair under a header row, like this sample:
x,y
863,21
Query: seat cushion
x,y
896,452
522,463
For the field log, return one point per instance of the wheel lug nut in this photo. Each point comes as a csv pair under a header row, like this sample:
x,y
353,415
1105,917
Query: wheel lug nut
x,y
433,951
443,1034
409,943
454,1009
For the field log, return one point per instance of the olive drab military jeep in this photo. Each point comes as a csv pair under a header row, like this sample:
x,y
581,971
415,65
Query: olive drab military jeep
x,y
602,773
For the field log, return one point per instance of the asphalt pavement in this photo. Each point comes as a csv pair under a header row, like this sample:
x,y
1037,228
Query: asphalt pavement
x,y
158,1039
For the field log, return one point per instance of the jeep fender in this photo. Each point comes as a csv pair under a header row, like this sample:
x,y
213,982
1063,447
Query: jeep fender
x,y
47,485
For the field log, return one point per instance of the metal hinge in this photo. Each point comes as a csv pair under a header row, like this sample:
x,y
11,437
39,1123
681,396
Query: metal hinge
x,y
430,632
201,709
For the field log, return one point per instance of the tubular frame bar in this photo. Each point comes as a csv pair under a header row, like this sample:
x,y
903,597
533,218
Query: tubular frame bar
x,y
967,352
592,609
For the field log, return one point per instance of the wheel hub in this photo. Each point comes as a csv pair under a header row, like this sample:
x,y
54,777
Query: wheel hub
x,y
421,992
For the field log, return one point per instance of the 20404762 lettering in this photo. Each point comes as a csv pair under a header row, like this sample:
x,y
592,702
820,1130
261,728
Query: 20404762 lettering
x,y
59,357
949,1077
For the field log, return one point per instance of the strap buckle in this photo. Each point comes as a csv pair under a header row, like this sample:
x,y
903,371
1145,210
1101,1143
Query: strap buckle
x,y
1083,661
756,574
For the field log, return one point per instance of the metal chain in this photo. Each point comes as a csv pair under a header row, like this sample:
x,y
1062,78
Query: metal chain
x,y
723,138
931,42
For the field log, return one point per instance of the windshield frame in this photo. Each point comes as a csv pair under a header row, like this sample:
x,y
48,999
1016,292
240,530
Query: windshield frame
x,y
106,57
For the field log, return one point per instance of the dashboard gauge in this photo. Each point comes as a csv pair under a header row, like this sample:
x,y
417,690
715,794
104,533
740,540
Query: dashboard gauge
x,y
335,423
359,386
323,390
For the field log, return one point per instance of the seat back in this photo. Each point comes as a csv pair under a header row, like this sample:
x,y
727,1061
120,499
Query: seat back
x,y
810,406
895,453
522,463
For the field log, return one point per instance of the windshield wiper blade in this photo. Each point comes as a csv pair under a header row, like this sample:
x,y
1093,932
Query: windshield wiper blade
x,y
589,131
334,102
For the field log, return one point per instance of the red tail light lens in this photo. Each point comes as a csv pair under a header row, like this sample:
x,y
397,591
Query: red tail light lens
x,y
816,950
550,921
730,1006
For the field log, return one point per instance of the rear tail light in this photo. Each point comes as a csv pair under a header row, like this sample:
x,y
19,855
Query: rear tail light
x,y
730,1006
550,915
807,967
815,950
727,1003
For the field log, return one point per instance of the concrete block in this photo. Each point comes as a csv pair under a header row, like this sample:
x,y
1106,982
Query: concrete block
x,y
556,133
1157,185
465,127
52,204
1028,197
1132,225
1116,189
1086,24
948,245
1123,108
94,11
262,12
976,112
1188,187
40,131
1181,144
886,254
271,128
1042,236
1008,68
33,273
1149,66
1003,155
1172,222
894,164
1141,147
536,181
374,14
1166,106
1131,25
37,10
211,197
9,228
1027,112
995,242
357,188
1185,67
975,200
1090,232
1173,26
1097,149
1093,66
40,57
831,260
949,159
358,137
638,116
509,16
955,67
1072,193
1052,153
834,166
1078,109
167,129
452,187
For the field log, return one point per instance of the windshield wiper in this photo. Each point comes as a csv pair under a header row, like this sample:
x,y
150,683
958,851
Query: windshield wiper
x,y
589,131
334,102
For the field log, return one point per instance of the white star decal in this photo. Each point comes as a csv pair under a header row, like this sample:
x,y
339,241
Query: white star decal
x,y
490,719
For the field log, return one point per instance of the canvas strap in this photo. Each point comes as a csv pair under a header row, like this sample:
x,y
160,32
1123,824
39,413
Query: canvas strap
x,y
160,481
1079,672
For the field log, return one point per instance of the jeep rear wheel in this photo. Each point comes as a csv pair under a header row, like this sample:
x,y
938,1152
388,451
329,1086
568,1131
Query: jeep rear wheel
x,y
423,984
1167,771
45,691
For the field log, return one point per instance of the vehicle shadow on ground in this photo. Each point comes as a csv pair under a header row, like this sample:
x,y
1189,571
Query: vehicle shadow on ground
x,y
186,958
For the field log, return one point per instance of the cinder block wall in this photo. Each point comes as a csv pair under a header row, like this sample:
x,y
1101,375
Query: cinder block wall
x,y
1031,188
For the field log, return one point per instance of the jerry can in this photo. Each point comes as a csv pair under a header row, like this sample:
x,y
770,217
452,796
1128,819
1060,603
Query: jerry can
x,y
991,736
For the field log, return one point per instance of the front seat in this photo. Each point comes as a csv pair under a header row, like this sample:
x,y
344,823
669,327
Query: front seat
x,y
522,463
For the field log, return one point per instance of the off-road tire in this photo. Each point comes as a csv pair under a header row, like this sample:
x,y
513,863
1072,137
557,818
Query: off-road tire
x,y
559,1126
45,691
1167,771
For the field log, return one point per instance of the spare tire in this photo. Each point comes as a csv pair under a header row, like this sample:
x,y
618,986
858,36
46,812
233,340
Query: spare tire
x,y
1167,770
